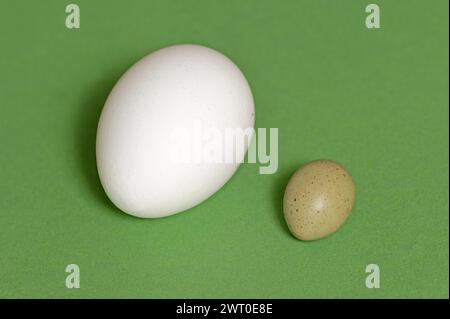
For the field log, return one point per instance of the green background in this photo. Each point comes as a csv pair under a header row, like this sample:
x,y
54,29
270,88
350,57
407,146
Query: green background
x,y
374,100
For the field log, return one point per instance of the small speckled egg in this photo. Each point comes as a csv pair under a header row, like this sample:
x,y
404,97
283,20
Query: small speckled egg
x,y
318,199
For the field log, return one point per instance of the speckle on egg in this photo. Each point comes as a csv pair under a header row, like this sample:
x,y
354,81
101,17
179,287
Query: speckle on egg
x,y
325,204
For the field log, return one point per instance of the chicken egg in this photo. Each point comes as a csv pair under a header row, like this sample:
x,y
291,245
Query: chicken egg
x,y
155,129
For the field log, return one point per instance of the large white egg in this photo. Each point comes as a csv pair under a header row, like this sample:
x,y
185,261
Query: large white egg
x,y
177,100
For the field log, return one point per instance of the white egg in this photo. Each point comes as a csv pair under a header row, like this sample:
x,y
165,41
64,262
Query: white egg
x,y
155,123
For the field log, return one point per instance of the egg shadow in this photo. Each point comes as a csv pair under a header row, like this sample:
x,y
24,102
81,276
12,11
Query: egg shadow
x,y
86,131
279,186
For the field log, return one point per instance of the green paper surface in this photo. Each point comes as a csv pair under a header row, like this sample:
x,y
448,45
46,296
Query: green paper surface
x,y
374,100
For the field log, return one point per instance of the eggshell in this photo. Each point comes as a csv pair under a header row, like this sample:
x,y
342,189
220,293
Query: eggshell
x,y
172,88
318,199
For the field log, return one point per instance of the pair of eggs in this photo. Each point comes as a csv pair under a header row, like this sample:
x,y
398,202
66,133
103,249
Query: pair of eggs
x,y
171,89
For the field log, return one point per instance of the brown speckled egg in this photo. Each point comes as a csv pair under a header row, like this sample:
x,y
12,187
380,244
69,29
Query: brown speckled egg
x,y
318,199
